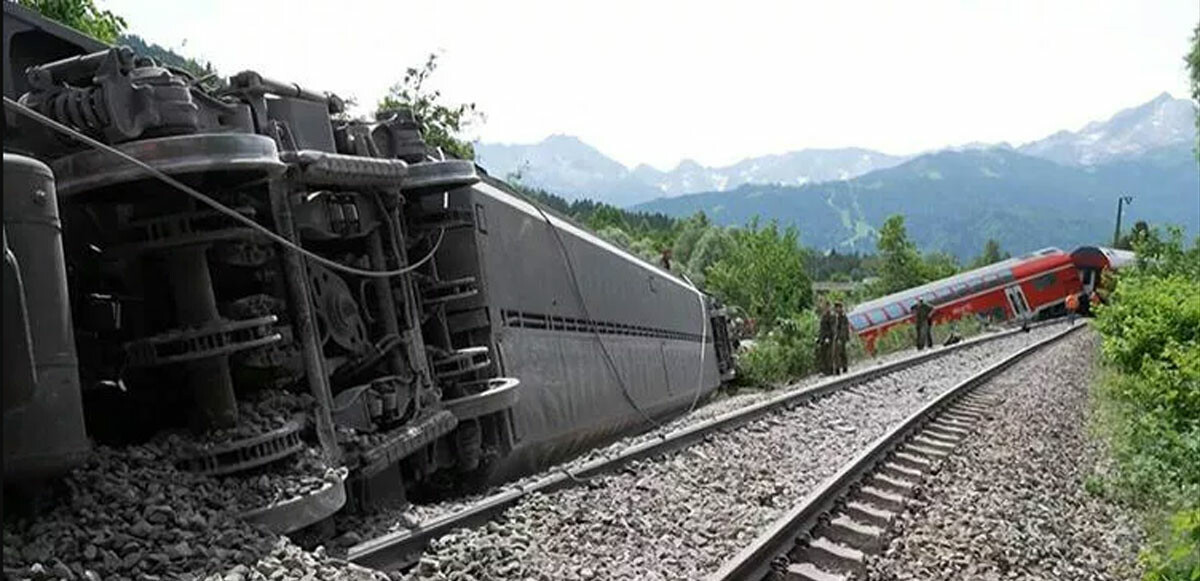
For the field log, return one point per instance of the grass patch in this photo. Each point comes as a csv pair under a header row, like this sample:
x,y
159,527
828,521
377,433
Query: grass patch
x,y
788,352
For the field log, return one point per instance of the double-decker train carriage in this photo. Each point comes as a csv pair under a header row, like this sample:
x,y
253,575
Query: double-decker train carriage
x,y
228,251
1032,286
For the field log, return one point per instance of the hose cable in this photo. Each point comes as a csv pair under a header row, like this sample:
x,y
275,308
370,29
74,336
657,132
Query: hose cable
x,y
599,338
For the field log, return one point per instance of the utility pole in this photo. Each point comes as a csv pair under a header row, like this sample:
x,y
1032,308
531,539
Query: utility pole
x,y
1117,233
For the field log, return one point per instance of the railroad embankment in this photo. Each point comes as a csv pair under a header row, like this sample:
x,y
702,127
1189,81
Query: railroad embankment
x,y
1146,403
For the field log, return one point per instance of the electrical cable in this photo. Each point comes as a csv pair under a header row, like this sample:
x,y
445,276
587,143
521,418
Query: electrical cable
x,y
703,341
562,247
219,207
603,347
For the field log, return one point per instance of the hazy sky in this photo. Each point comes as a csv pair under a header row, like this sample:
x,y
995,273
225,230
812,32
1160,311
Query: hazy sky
x,y
657,82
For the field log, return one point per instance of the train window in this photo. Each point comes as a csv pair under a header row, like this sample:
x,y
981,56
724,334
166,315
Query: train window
x,y
858,321
894,311
877,316
1044,282
909,304
1005,276
977,283
960,289
942,292
928,297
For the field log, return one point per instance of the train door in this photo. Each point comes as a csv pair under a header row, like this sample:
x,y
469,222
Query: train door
x,y
1016,300
1089,277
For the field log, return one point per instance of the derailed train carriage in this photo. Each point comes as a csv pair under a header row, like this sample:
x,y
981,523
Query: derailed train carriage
x,y
443,329
1033,286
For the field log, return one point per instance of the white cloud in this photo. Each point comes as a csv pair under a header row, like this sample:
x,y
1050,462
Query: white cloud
x,y
657,82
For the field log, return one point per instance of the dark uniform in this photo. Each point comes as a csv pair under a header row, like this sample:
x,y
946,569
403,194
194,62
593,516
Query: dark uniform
x,y
841,335
825,342
921,313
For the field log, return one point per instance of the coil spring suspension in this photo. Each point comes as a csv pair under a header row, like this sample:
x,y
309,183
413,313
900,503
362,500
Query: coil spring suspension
x,y
80,107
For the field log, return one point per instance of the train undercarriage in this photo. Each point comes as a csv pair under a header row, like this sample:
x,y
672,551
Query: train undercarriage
x,y
247,275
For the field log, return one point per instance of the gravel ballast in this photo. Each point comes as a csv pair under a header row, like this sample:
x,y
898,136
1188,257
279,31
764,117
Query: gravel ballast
x,y
682,515
1010,502
359,527
130,514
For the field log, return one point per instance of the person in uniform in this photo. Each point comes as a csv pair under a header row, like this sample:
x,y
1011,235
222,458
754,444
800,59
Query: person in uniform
x,y
929,326
841,335
825,341
921,315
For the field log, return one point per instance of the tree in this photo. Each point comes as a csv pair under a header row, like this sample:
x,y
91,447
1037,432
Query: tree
x,y
690,232
1193,64
763,273
202,71
900,266
607,217
712,245
991,254
441,125
82,15
938,265
1139,232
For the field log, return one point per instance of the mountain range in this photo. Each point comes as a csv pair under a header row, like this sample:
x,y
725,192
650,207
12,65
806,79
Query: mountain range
x,y
567,166
954,201
1057,191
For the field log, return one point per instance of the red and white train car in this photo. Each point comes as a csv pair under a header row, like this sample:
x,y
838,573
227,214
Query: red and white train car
x,y
1033,286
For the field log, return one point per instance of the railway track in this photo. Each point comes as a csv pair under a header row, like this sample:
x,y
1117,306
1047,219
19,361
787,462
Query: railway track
x,y
399,550
829,533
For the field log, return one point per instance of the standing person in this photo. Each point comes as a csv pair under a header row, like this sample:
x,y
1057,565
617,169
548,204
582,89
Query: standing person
x,y
1072,306
921,312
841,335
929,326
825,341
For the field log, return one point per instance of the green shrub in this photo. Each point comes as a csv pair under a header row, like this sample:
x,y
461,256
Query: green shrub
x,y
1145,315
786,352
1176,553
1148,403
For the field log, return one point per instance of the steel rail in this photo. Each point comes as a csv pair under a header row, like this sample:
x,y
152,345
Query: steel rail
x,y
755,562
401,549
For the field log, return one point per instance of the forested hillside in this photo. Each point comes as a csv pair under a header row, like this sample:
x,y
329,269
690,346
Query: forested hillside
x,y
955,201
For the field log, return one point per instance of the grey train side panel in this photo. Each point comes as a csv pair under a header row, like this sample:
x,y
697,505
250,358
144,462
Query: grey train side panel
x,y
651,324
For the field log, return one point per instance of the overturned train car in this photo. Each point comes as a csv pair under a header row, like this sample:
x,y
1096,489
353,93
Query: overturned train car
x,y
425,326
